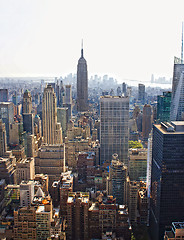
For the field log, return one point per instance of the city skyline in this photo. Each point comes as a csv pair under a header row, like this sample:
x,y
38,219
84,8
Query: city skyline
x,y
40,38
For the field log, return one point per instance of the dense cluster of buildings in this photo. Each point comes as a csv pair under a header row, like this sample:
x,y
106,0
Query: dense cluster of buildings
x,y
77,163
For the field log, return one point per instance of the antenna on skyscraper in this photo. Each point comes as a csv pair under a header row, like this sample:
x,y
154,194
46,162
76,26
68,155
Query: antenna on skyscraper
x,y
182,45
82,49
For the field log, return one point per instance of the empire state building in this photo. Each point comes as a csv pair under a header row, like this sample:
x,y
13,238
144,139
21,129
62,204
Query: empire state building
x,y
82,84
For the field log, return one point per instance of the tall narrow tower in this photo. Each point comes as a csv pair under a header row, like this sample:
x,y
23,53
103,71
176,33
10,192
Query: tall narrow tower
x,y
27,102
82,84
51,129
177,100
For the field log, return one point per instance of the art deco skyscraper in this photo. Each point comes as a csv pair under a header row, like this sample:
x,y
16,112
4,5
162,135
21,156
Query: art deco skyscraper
x,y
114,117
51,129
82,84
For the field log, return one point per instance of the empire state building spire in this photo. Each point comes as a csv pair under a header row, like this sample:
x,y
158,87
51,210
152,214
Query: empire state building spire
x,y
82,84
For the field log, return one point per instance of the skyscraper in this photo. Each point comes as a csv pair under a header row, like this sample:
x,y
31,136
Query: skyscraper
x,y
7,115
141,93
51,132
117,181
3,95
146,121
27,102
3,146
167,178
68,94
163,107
82,84
114,116
177,100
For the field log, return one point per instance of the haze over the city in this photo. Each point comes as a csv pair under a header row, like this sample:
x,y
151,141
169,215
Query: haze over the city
x,y
125,39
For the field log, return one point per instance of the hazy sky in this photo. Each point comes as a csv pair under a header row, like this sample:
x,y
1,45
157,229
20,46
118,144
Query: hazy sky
x,y
127,39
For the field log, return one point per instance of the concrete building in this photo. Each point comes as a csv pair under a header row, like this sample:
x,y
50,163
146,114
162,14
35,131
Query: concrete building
x,y
146,121
52,133
26,193
117,180
82,84
27,102
167,178
137,164
25,170
51,161
114,134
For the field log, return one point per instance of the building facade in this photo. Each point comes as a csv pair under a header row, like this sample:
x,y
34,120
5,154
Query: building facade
x,y
114,133
167,178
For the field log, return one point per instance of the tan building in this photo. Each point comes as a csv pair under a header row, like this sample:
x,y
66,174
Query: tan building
x,y
25,169
137,164
25,223
73,147
51,161
52,132
14,132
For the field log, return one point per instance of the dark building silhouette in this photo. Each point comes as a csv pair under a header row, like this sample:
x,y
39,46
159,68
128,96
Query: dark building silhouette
x,y
141,93
3,95
82,84
167,177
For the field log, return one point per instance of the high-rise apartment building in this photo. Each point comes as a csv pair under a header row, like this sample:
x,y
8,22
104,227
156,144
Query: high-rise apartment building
x,y
163,107
167,178
177,100
141,93
114,117
82,84
146,121
27,102
51,132
117,180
